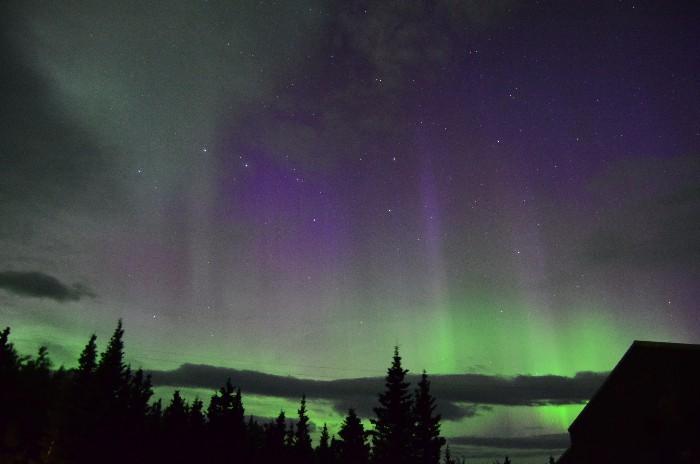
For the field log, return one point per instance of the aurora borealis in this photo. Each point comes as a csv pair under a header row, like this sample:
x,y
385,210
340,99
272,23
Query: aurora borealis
x,y
501,188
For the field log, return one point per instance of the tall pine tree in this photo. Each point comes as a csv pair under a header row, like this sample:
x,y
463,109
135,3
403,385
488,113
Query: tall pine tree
x,y
427,441
111,371
10,406
111,402
227,422
393,427
302,438
87,362
80,421
323,451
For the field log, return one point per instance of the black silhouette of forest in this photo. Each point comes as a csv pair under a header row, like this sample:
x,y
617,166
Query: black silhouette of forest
x,y
102,412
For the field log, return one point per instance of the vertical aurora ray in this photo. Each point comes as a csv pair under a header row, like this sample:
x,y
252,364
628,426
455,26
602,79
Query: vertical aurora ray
x,y
432,237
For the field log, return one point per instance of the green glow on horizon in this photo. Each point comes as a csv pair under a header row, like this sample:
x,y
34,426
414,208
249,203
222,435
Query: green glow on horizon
x,y
592,334
476,335
483,336
558,417
505,339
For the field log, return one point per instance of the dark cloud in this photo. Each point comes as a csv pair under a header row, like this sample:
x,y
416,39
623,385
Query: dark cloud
x,y
40,285
522,390
461,395
541,442
364,406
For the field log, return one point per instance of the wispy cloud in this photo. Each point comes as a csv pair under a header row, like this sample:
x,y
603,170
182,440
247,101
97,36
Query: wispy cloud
x,y
40,285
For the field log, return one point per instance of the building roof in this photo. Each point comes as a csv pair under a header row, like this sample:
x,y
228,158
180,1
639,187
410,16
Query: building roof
x,y
649,360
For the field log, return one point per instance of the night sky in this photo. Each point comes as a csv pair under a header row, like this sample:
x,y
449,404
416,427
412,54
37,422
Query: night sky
x,y
292,188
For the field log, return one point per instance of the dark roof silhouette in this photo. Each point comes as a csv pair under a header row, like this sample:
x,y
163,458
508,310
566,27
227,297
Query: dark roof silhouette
x,y
646,411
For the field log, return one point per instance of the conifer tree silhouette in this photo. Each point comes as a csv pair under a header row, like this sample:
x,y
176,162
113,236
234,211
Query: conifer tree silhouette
x,y
9,405
110,402
289,437
195,417
302,438
275,433
323,451
227,422
175,416
9,359
87,362
139,392
196,424
76,436
394,424
352,445
427,441
111,371
101,411
36,396
153,449
175,429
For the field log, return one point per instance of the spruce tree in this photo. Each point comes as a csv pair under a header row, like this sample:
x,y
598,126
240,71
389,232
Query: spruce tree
x,y
175,429
80,411
196,426
238,415
323,451
227,422
352,445
154,431
394,424
275,433
9,359
226,409
10,409
154,416
175,416
302,438
195,418
87,363
289,437
111,403
37,396
111,372
139,392
427,441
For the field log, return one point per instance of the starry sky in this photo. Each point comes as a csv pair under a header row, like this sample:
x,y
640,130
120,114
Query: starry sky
x,y
291,188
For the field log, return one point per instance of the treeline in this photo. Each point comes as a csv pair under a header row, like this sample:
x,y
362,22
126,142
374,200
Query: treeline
x,y
101,412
